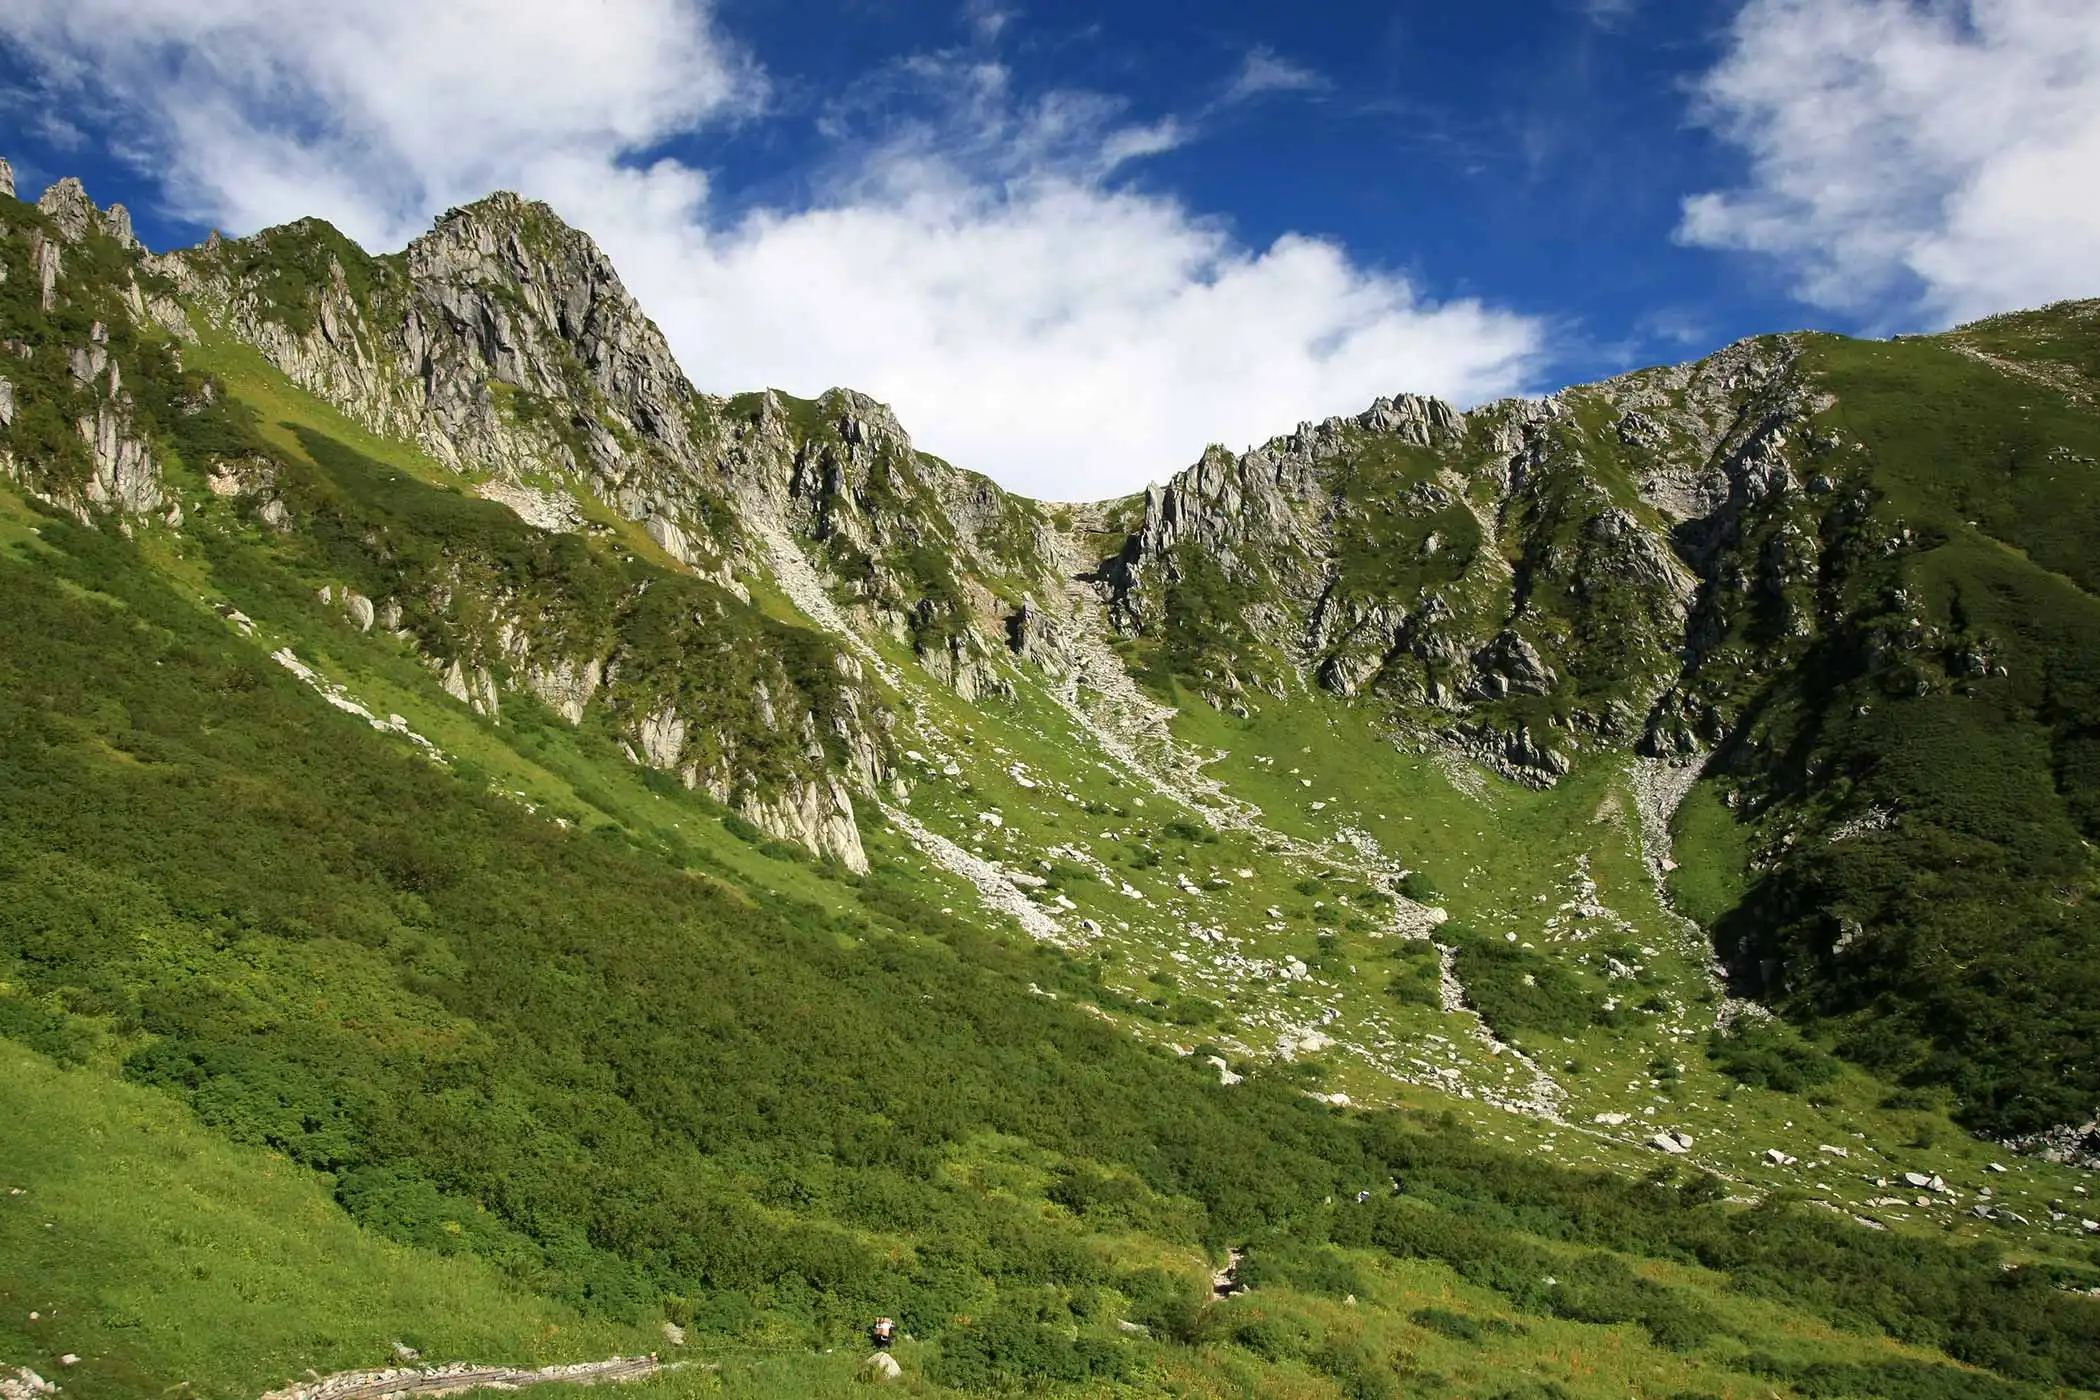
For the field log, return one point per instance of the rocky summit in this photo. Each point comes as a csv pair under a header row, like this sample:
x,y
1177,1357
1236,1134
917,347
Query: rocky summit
x,y
514,858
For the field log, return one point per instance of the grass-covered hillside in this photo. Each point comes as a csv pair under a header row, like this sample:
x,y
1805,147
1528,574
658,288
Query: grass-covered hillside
x,y
1853,580
597,1072
437,910
1921,785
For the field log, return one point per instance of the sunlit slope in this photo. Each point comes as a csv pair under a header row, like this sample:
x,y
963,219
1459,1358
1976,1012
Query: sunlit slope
x,y
714,946
619,1069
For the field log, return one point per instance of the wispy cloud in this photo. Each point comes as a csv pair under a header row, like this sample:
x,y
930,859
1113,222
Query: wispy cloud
x,y
1608,14
1263,72
987,20
1912,160
982,261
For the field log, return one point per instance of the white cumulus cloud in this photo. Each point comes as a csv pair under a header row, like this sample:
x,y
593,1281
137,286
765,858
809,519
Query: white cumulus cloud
x,y
1937,160
987,266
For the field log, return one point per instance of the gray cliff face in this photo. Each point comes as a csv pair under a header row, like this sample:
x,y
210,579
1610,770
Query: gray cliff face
x,y
1523,582
501,342
910,544
464,345
69,368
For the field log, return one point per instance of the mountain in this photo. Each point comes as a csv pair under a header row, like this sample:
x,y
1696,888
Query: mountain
x,y
1581,896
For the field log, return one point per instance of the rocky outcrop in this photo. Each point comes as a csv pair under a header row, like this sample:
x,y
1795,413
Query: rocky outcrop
x,y
817,814
910,545
2072,1144
114,469
122,473
1452,564
500,342
1041,638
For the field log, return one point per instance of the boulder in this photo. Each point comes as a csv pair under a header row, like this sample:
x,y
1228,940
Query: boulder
x,y
881,1369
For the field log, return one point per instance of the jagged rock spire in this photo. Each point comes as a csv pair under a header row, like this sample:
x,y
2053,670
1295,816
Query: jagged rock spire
x,y
76,215
67,202
7,178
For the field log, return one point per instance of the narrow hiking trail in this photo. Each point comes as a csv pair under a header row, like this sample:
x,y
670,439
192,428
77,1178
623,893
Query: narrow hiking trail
x,y
459,1376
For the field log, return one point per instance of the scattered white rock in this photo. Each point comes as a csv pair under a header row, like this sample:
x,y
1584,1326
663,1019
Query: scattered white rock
x,y
1610,1120
1667,1142
21,1383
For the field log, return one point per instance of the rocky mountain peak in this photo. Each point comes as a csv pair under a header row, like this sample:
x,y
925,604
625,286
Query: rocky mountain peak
x,y
864,421
7,178
502,341
1425,422
67,204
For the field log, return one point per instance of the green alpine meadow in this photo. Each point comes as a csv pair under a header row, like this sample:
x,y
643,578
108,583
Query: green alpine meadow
x,y
509,861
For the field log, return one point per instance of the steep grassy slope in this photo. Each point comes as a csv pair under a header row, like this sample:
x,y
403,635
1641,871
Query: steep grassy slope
x,y
1856,575
1921,786
632,1086
411,848
158,1253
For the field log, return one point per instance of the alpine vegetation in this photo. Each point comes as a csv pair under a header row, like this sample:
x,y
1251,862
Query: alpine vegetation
x,y
515,870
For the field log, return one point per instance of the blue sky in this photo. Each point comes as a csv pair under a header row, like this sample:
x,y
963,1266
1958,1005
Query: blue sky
x,y
1530,152
1074,243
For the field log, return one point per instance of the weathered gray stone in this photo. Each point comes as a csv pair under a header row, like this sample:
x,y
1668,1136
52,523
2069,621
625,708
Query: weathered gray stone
x,y
68,206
